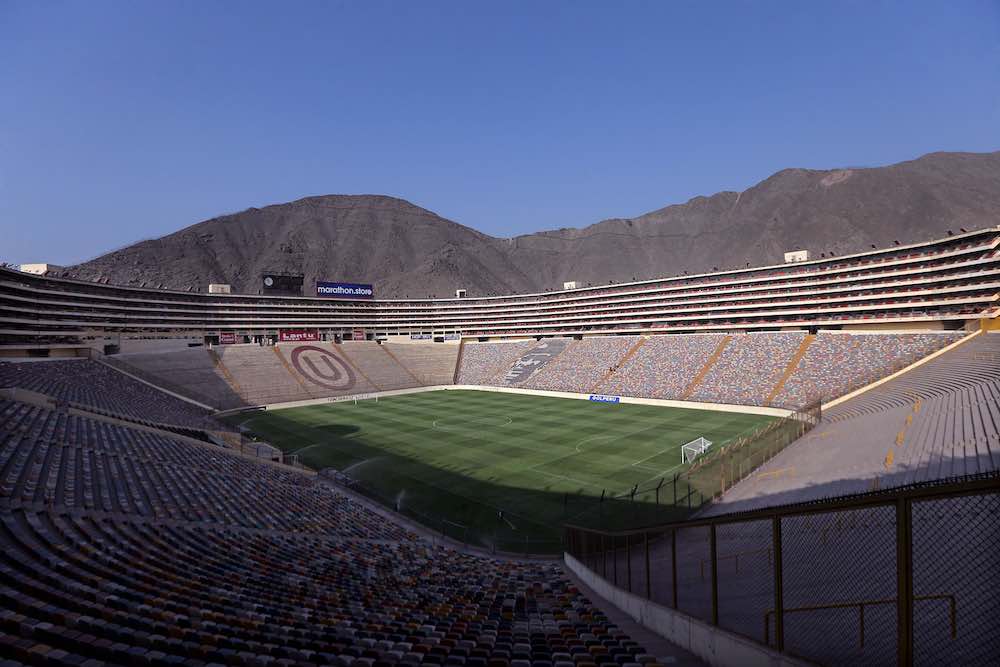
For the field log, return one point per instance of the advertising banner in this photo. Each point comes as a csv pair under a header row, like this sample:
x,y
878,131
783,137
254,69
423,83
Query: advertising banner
x,y
357,334
352,291
227,338
297,335
420,336
601,398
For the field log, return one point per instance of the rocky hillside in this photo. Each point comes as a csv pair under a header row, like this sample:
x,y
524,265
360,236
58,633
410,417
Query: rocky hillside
x,y
406,250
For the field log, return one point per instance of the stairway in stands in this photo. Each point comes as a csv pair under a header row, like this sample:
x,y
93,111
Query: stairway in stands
x,y
792,366
706,368
621,362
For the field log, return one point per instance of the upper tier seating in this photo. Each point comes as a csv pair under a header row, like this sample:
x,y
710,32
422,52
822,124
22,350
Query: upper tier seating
x,y
664,366
191,372
941,419
432,364
836,364
582,364
486,363
748,368
96,387
130,548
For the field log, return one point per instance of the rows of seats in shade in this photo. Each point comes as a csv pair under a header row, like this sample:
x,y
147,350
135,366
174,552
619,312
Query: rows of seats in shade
x,y
663,366
381,368
836,364
748,368
487,363
432,364
582,365
137,592
52,459
127,547
96,387
939,420
192,372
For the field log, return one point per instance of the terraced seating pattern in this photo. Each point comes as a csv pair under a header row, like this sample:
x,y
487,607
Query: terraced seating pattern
x,y
125,547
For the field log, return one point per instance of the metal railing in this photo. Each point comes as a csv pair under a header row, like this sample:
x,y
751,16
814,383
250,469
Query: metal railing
x,y
903,576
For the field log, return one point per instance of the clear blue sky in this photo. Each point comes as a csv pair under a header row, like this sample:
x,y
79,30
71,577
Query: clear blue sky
x,y
129,120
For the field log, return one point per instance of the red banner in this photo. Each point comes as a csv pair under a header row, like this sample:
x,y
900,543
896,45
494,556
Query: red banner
x,y
358,334
298,335
227,338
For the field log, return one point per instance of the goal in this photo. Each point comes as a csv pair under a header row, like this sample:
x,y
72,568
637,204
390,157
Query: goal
x,y
692,450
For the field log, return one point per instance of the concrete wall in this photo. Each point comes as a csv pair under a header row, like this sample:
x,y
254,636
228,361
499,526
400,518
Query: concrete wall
x,y
717,647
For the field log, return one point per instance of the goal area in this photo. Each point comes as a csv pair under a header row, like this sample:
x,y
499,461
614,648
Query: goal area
x,y
692,450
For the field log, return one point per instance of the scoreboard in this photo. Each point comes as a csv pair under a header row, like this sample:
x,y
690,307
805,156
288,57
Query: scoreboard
x,y
281,284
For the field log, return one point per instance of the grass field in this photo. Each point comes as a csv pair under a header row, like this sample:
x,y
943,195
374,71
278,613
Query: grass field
x,y
464,455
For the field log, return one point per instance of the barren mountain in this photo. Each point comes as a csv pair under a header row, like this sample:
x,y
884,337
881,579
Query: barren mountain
x,y
406,250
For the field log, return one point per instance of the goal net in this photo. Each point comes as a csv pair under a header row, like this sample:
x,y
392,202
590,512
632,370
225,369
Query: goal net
x,y
692,450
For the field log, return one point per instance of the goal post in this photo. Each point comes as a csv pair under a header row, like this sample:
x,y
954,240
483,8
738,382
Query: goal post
x,y
692,450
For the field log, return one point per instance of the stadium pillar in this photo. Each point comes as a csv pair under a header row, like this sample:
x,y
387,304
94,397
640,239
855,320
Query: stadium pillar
x,y
712,548
673,566
628,562
779,592
604,558
649,589
904,585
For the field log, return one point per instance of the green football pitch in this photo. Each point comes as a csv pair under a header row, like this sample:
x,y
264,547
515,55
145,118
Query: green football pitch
x,y
495,468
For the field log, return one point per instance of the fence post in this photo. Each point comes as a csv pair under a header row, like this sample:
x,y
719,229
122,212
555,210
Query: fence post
x,y
649,586
779,592
614,545
715,574
628,563
604,558
904,585
673,566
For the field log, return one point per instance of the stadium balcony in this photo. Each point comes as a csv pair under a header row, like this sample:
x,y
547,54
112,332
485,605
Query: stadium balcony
x,y
948,278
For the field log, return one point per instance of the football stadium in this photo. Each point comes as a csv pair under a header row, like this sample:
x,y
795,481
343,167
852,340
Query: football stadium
x,y
459,333
785,464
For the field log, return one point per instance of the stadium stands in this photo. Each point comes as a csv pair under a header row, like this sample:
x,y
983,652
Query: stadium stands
x,y
431,364
837,364
582,364
937,284
748,368
130,548
486,363
941,419
96,387
663,367
193,372
262,375
381,368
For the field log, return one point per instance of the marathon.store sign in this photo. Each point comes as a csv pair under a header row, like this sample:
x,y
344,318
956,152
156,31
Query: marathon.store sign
x,y
601,398
345,290
297,336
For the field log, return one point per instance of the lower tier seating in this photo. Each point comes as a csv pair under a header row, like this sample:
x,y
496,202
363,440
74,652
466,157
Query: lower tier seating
x,y
941,419
125,547
95,386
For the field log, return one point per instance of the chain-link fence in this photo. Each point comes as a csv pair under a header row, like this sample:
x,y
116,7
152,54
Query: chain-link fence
x,y
906,576
676,497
